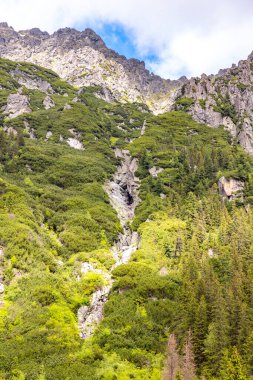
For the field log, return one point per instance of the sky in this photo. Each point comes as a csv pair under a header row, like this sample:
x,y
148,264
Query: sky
x,y
173,37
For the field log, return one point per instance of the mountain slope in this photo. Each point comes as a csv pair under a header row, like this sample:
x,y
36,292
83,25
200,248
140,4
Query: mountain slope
x,y
83,59
188,286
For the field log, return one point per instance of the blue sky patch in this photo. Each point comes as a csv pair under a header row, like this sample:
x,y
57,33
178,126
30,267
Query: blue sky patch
x,y
120,39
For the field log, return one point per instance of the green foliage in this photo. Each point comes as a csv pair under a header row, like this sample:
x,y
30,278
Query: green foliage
x,y
202,103
224,106
55,215
192,157
194,265
184,103
242,86
232,366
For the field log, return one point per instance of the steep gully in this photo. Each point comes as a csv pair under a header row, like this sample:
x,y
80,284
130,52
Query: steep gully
x,y
123,195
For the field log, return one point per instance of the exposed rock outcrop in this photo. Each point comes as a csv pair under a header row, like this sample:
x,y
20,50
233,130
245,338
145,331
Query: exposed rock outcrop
x,y
155,171
48,103
225,99
30,82
123,190
231,188
10,131
74,142
48,135
17,104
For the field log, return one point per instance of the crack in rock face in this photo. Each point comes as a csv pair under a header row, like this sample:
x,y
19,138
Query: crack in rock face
x,y
90,316
128,197
123,194
123,189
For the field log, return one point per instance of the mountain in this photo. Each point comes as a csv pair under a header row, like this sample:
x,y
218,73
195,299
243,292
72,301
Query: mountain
x,y
126,237
83,59
224,99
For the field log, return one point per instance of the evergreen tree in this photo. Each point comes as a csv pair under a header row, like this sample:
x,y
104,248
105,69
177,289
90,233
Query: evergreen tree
x,y
199,332
235,297
232,367
217,339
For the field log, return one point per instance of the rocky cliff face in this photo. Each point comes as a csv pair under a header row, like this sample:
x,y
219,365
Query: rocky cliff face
x,y
82,58
225,99
231,188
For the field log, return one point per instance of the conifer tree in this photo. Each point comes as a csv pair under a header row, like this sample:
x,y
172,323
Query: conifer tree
x,y
232,367
200,331
217,338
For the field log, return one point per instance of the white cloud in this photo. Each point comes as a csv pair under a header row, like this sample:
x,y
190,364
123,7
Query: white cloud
x,y
188,37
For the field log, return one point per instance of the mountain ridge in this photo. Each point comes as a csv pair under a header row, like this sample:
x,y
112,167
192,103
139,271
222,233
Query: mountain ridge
x,y
36,47
83,59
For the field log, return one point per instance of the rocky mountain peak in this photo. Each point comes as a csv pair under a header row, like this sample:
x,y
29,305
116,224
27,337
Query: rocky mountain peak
x,y
250,57
7,32
35,32
65,31
4,25
93,38
225,99
78,39
83,59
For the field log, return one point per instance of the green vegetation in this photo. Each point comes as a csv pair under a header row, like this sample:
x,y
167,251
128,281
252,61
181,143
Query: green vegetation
x,y
242,86
224,106
193,157
184,103
202,103
188,287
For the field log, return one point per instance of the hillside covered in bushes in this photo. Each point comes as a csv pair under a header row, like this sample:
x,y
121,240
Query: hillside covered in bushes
x,y
181,308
